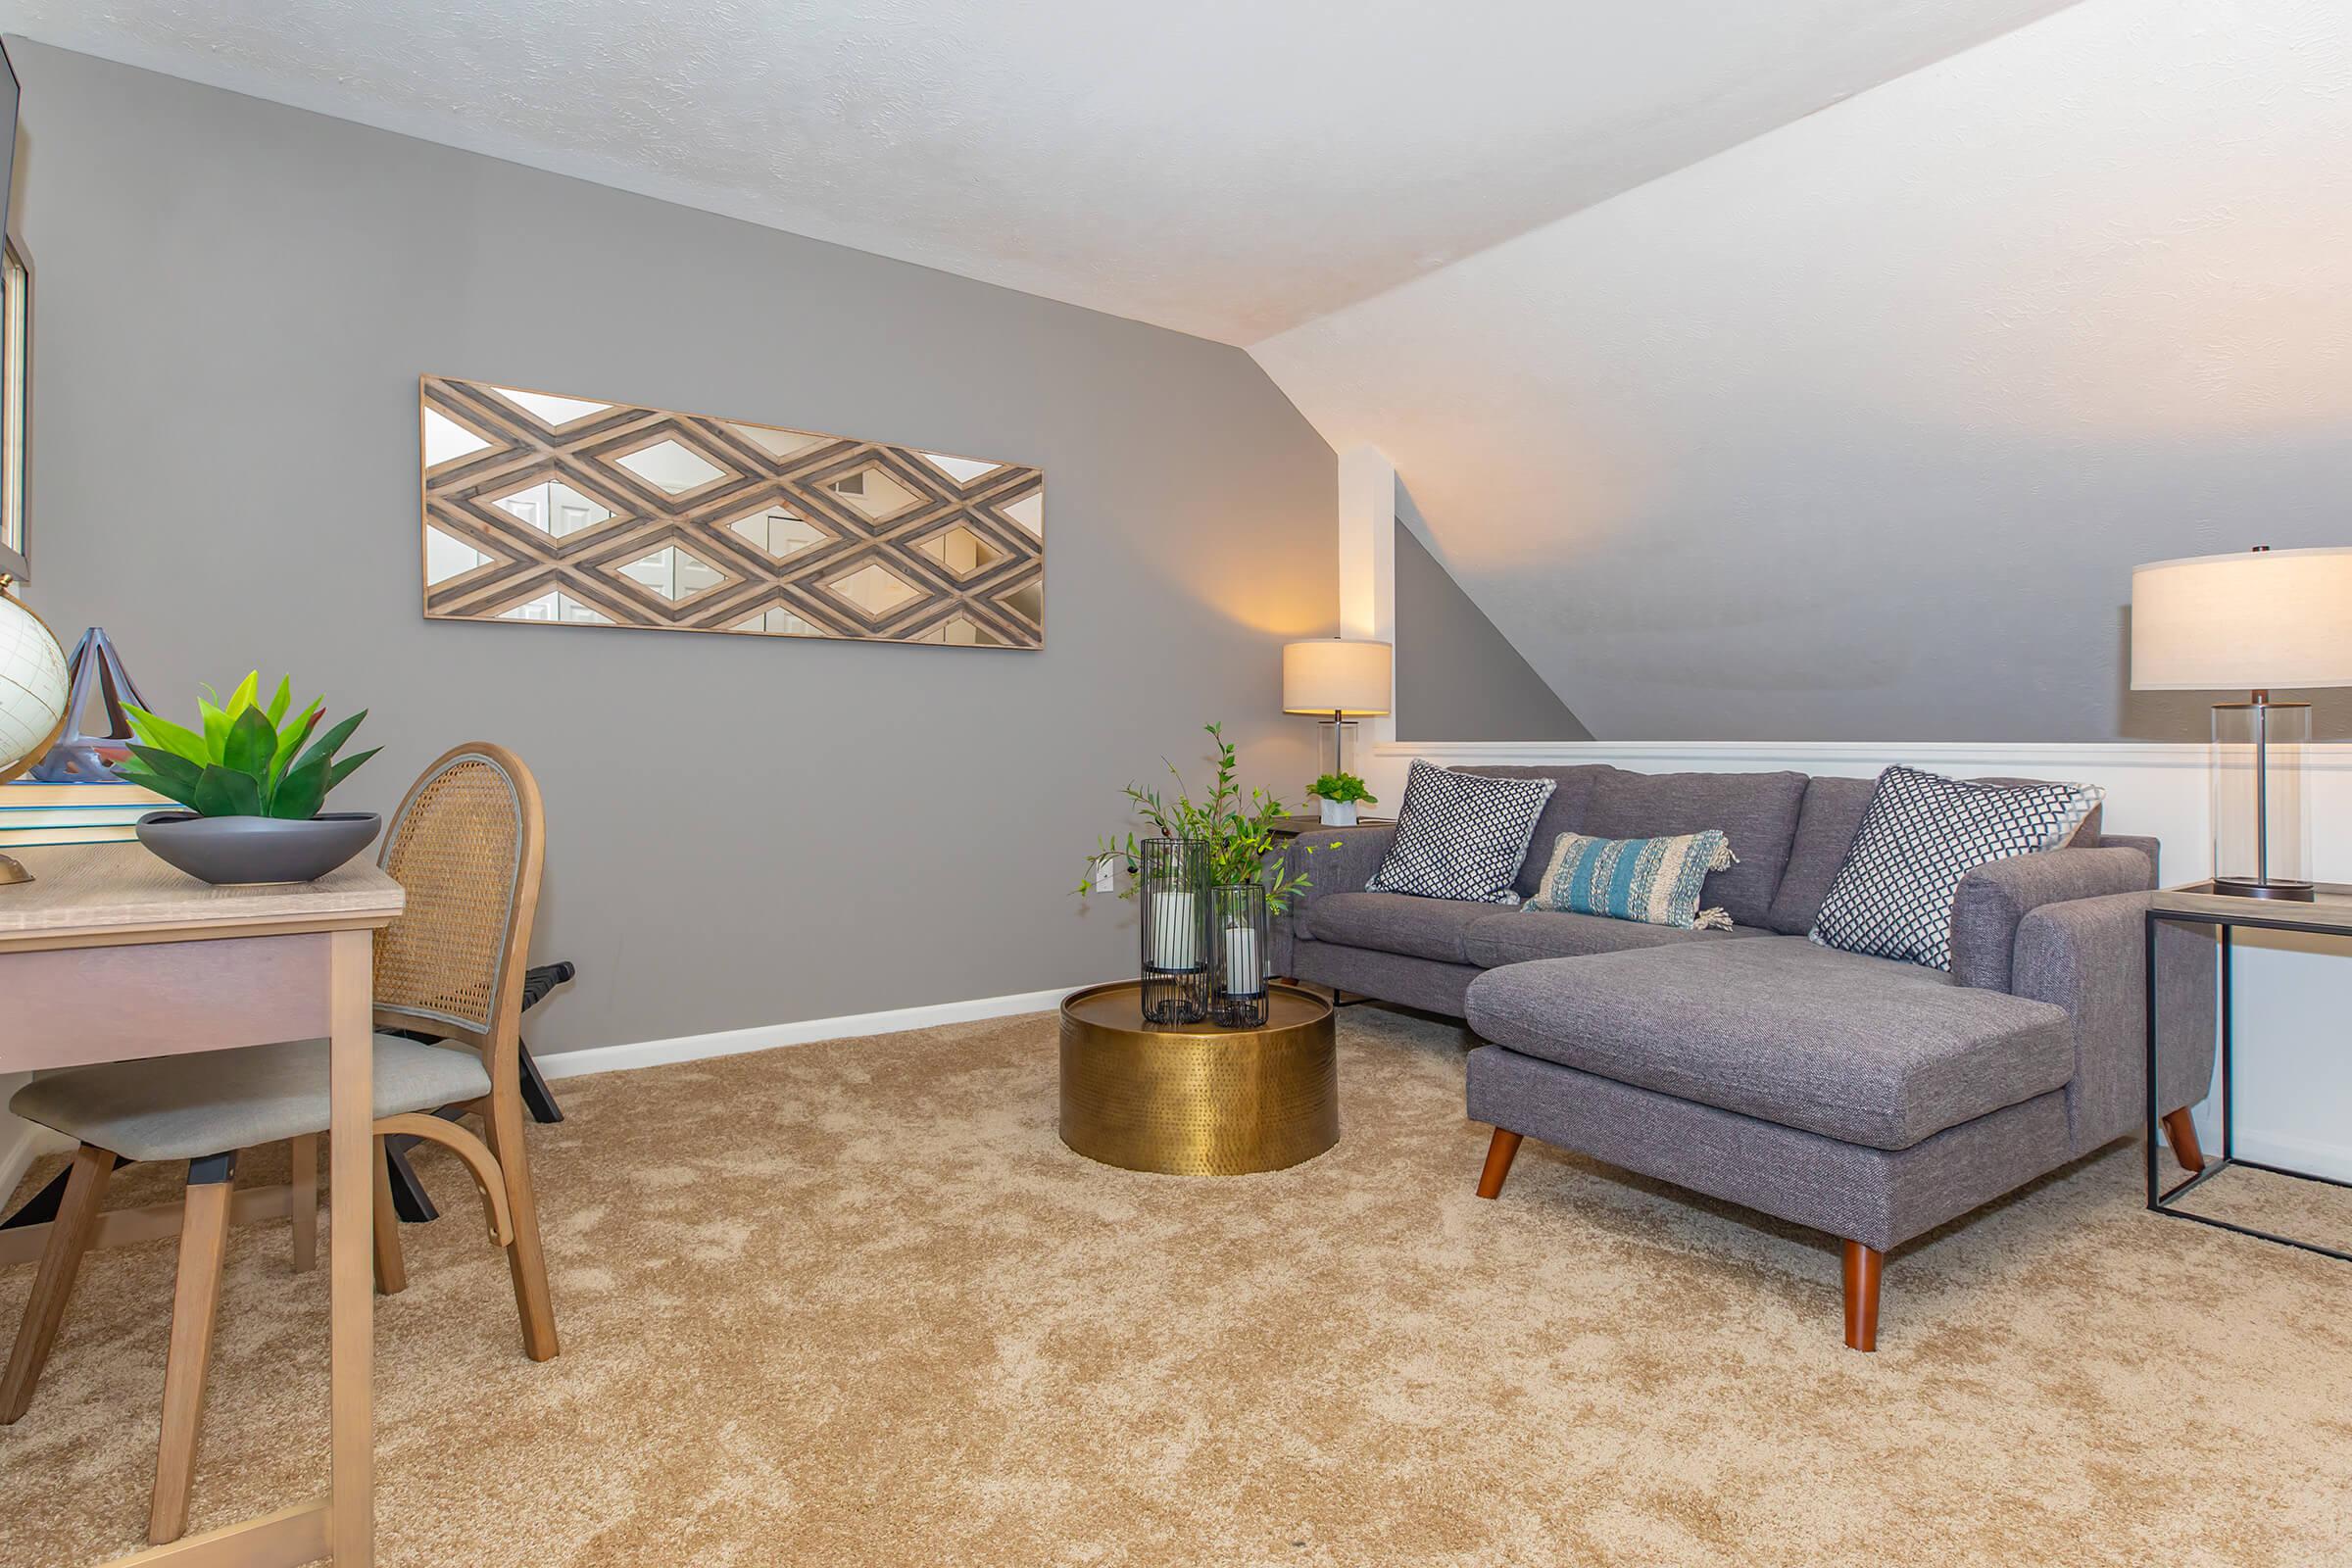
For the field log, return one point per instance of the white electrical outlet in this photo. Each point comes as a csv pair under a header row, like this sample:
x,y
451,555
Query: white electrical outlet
x,y
1104,866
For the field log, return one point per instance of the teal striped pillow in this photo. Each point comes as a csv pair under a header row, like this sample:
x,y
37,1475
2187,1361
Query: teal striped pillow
x,y
1655,881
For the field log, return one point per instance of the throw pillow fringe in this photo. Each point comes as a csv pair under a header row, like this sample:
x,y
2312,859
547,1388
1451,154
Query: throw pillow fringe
x,y
1712,920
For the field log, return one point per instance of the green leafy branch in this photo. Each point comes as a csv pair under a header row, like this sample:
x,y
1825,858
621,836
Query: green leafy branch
x,y
246,760
1237,828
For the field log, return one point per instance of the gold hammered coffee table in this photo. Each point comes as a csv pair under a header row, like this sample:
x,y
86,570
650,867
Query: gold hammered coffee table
x,y
1193,1100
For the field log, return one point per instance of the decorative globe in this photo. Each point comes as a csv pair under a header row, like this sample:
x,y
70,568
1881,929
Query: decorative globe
x,y
32,688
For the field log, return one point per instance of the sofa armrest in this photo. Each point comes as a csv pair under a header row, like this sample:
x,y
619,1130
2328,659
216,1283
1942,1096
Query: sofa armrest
x,y
2089,956
1995,897
1332,859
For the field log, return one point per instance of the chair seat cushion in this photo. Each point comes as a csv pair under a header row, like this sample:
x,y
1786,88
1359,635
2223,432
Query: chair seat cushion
x,y
1396,922
1499,937
212,1102
1865,1049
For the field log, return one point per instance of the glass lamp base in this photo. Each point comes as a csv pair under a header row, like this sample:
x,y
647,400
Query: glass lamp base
x,y
2246,888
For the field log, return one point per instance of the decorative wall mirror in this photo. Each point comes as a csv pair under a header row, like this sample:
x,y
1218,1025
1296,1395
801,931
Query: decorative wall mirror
x,y
16,398
563,510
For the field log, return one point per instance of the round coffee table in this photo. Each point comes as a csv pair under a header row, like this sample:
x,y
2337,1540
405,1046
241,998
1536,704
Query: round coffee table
x,y
1193,1100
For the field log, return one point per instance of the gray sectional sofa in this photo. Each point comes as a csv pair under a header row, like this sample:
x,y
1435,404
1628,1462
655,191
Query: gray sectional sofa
x,y
1870,1099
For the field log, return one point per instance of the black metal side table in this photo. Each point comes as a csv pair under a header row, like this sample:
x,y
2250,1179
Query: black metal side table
x,y
2328,913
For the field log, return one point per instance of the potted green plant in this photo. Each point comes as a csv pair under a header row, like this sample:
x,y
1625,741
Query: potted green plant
x,y
1339,795
253,781
1238,832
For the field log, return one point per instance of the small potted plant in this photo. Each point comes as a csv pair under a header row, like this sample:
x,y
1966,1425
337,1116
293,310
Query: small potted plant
x,y
1339,795
1239,854
253,787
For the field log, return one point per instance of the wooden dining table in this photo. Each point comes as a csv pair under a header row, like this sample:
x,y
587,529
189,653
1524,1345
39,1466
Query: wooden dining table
x,y
109,955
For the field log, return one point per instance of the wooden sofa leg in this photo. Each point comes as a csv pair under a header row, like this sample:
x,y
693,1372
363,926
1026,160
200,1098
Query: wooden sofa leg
x,y
2183,1135
1500,1155
1862,1264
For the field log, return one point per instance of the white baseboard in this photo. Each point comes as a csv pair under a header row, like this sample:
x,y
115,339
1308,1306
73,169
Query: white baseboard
x,y
768,1037
2312,1155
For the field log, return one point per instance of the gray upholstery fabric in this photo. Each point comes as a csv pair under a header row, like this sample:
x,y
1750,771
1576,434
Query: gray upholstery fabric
x,y
2130,841
2088,957
1561,813
1757,813
1825,831
1422,983
1515,936
212,1102
1859,1048
1396,922
1826,826
1876,1197
1991,898
1328,871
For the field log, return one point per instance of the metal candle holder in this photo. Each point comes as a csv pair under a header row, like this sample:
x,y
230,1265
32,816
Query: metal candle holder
x,y
1238,938
1173,885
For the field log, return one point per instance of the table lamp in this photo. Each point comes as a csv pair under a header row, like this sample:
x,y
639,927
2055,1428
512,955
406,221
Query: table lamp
x,y
2266,618
1339,681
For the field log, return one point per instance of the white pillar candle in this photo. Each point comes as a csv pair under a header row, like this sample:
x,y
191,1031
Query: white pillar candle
x,y
1243,975
1175,930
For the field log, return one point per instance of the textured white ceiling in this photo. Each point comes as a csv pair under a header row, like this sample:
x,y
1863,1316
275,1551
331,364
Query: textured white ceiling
x,y
1856,431
1230,168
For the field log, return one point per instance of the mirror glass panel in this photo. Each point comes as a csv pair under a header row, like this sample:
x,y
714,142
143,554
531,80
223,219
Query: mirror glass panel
x,y
540,507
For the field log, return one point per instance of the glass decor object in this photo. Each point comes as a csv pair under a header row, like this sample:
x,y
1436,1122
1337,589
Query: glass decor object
x,y
1173,887
1339,681
570,511
1237,944
2262,619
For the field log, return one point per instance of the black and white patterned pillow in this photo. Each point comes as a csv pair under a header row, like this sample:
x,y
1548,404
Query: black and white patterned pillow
x,y
1892,898
1462,835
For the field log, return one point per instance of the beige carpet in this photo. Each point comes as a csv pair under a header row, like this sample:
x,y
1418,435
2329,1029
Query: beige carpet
x,y
855,1303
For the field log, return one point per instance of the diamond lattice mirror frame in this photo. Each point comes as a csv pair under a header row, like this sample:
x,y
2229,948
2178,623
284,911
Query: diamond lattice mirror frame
x,y
523,572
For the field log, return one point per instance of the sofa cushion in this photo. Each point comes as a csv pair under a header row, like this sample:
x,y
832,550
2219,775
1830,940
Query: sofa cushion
x,y
1564,813
1652,881
1462,835
1757,813
1865,1049
1922,834
1500,936
1826,826
1395,922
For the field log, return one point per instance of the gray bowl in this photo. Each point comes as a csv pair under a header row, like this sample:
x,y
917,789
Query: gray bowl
x,y
227,850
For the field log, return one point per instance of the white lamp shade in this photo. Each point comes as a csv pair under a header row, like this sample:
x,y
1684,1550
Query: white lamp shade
x,y
1333,676
2249,621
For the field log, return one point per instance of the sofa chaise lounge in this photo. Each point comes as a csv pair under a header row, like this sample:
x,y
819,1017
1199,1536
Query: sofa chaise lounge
x,y
1870,1098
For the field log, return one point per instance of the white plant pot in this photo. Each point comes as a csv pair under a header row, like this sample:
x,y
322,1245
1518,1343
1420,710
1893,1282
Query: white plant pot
x,y
1339,814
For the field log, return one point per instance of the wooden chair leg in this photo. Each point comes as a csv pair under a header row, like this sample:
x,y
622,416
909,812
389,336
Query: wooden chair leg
x,y
2182,1134
525,1261
1500,1155
303,1195
195,1305
61,1260
1862,1265
391,1269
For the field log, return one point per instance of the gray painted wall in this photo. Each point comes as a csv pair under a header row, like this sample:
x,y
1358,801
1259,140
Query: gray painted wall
x,y
1856,431
233,302
1458,678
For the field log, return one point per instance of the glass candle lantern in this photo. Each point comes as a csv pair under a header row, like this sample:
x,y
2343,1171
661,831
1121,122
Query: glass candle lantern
x,y
1172,884
1237,945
